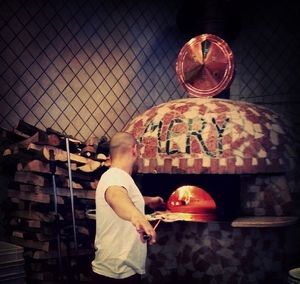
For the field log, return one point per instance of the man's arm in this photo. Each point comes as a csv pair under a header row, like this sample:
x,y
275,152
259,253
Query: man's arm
x,y
118,199
155,202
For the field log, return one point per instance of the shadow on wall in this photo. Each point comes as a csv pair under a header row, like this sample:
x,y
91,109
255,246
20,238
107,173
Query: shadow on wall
x,y
157,70
218,17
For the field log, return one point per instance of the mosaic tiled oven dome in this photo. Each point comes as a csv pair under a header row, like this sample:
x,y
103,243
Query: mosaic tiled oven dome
x,y
214,136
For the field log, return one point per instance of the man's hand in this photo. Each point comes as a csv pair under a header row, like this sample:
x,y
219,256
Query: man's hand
x,y
118,199
155,202
143,227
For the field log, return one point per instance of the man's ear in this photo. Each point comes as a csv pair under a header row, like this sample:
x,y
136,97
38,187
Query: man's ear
x,y
135,150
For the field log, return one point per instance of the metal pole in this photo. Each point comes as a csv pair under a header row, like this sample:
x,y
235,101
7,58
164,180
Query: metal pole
x,y
72,195
52,167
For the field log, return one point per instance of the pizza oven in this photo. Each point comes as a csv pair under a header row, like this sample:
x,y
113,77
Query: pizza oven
x,y
221,146
218,145
221,166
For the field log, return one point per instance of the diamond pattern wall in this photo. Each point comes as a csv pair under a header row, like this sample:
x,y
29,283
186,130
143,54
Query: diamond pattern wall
x,y
85,67
267,52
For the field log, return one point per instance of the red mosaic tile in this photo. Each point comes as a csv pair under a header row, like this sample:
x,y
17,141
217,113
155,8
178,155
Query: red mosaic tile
x,y
168,166
197,167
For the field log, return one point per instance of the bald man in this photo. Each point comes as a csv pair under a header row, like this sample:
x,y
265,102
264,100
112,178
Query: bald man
x,y
120,220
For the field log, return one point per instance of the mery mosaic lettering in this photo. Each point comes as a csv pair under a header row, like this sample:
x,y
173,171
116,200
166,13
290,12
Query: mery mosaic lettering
x,y
178,135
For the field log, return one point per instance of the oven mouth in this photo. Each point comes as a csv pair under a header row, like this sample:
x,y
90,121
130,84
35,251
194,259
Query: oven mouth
x,y
224,191
193,201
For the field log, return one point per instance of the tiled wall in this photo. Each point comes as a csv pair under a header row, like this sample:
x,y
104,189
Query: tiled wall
x,y
216,253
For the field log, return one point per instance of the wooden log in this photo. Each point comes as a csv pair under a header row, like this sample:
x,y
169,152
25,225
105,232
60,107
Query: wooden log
x,y
83,230
38,236
18,234
35,215
17,154
45,237
86,164
59,154
50,130
42,167
28,129
48,136
39,180
24,143
85,193
20,203
90,167
44,246
65,192
38,197
30,178
42,198
32,224
79,215
80,185
87,203
75,185
11,136
80,229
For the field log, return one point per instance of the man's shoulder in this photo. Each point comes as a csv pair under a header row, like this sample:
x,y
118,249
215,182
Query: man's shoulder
x,y
109,173
115,174
116,171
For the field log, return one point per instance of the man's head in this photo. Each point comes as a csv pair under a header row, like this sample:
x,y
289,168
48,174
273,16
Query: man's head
x,y
123,144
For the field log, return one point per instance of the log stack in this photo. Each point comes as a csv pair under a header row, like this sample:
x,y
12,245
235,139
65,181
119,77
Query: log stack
x,y
36,162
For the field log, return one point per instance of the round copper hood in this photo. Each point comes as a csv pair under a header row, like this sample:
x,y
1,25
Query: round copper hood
x,y
205,66
194,201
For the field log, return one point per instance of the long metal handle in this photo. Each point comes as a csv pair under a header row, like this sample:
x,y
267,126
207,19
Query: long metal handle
x,y
148,237
72,195
52,166
57,222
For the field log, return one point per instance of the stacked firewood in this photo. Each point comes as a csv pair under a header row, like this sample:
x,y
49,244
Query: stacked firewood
x,y
44,168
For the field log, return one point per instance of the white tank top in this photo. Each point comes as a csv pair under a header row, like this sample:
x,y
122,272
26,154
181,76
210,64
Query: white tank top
x,y
120,252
